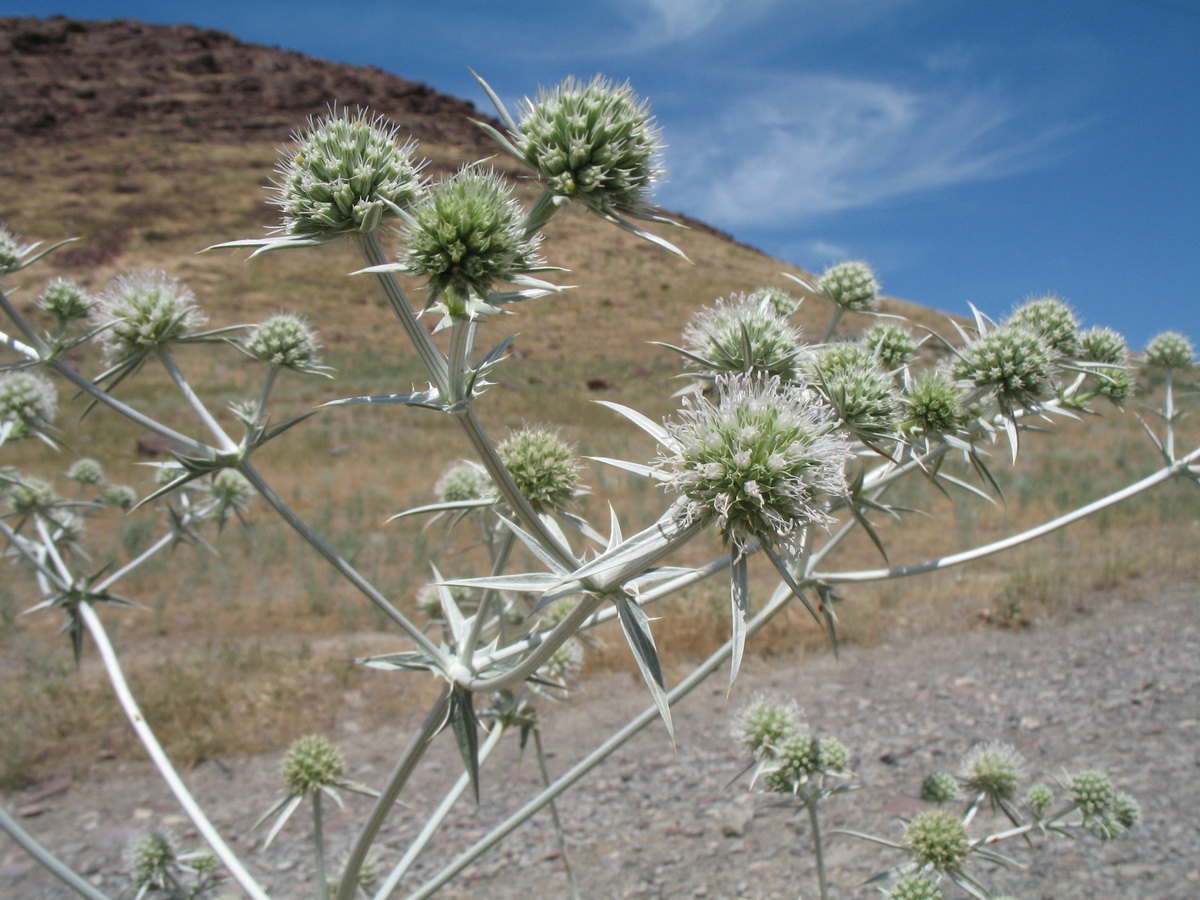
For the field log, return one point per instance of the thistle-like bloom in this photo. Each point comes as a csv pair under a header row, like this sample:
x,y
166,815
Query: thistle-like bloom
x,y
851,286
143,310
939,787
10,250
232,492
311,764
466,236
933,406
937,839
120,496
762,726
759,462
1038,798
87,472
777,299
1169,350
743,334
285,340
796,758
542,465
915,887
462,481
859,391
152,864
31,495
1092,792
593,143
28,402
994,770
346,173
893,345
1126,811
1110,354
65,300
1012,362
834,756
1052,320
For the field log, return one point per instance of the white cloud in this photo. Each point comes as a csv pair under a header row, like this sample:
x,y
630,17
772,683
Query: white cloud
x,y
809,145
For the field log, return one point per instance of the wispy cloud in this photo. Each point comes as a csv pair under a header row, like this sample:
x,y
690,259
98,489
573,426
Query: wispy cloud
x,y
809,145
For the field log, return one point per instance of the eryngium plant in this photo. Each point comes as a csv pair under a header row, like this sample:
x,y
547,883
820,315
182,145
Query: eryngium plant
x,y
780,448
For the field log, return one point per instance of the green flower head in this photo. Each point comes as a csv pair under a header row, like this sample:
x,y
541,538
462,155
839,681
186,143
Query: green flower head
x,y
86,471
860,392
284,340
893,345
796,758
915,887
762,726
993,770
543,466
777,300
31,495
120,496
28,402
312,763
1013,362
151,863
939,787
464,480
143,310
1038,799
10,250
743,334
759,461
933,406
65,300
851,286
346,173
1052,320
834,755
467,235
937,839
593,143
1092,792
1169,350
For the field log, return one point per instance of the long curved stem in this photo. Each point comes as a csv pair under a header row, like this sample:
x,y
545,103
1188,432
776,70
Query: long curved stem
x,y
224,441
154,749
52,863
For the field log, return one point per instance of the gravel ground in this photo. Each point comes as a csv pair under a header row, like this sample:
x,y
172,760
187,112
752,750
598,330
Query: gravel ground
x,y
1114,690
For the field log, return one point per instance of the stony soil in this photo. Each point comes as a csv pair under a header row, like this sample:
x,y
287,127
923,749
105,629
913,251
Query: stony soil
x,y
1115,690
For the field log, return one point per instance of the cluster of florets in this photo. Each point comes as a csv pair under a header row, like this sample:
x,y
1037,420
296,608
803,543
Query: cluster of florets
x,y
232,491
119,496
86,471
1169,350
933,406
759,459
345,174
1039,798
743,334
993,770
152,863
893,345
764,723
593,143
1106,812
1108,355
543,467
937,839
782,303
10,250
1052,320
861,393
466,235
28,495
65,300
1011,362
790,757
940,787
851,286
312,763
916,887
139,311
463,481
28,402
286,341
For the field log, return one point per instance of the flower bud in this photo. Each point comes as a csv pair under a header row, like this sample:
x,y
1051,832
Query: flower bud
x,y
939,787
1092,792
28,400
284,340
30,495
834,755
1038,799
65,300
796,758
777,300
1052,320
1169,350
933,406
743,335
596,144
859,391
86,471
1012,362
915,887
851,286
143,310
1126,811
151,860
311,763
232,490
893,345
464,480
121,496
764,724
937,839
345,174
994,770
542,465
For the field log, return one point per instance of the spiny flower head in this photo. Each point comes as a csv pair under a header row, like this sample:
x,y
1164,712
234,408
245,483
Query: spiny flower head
x,y
893,345
345,174
851,285
86,471
1092,792
65,300
1012,362
10,250
120,496
143,310
1052,320
284,340
1038,798
937,839
151,860
1110,354
464,480
994,770
466,235
834,755
933,405
1169,350
232,490
29,495
311,763
759,461
743,335
776,299
939,787
543,466
1126,811
796,758
27,400
915,887
594,143
764,724
859,391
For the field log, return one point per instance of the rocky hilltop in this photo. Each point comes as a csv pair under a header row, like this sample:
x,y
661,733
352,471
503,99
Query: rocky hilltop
x,y
69,80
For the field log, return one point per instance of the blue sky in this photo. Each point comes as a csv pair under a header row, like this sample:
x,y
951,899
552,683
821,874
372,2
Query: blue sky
x,y
970,150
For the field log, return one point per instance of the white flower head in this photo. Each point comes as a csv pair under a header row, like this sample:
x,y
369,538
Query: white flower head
x,y
143,310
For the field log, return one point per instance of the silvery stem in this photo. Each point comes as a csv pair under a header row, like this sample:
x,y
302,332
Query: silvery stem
x,y
342,566
37,345
162,543
435,820
319,845
159,758
226,443
818,849
56,867
434,720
